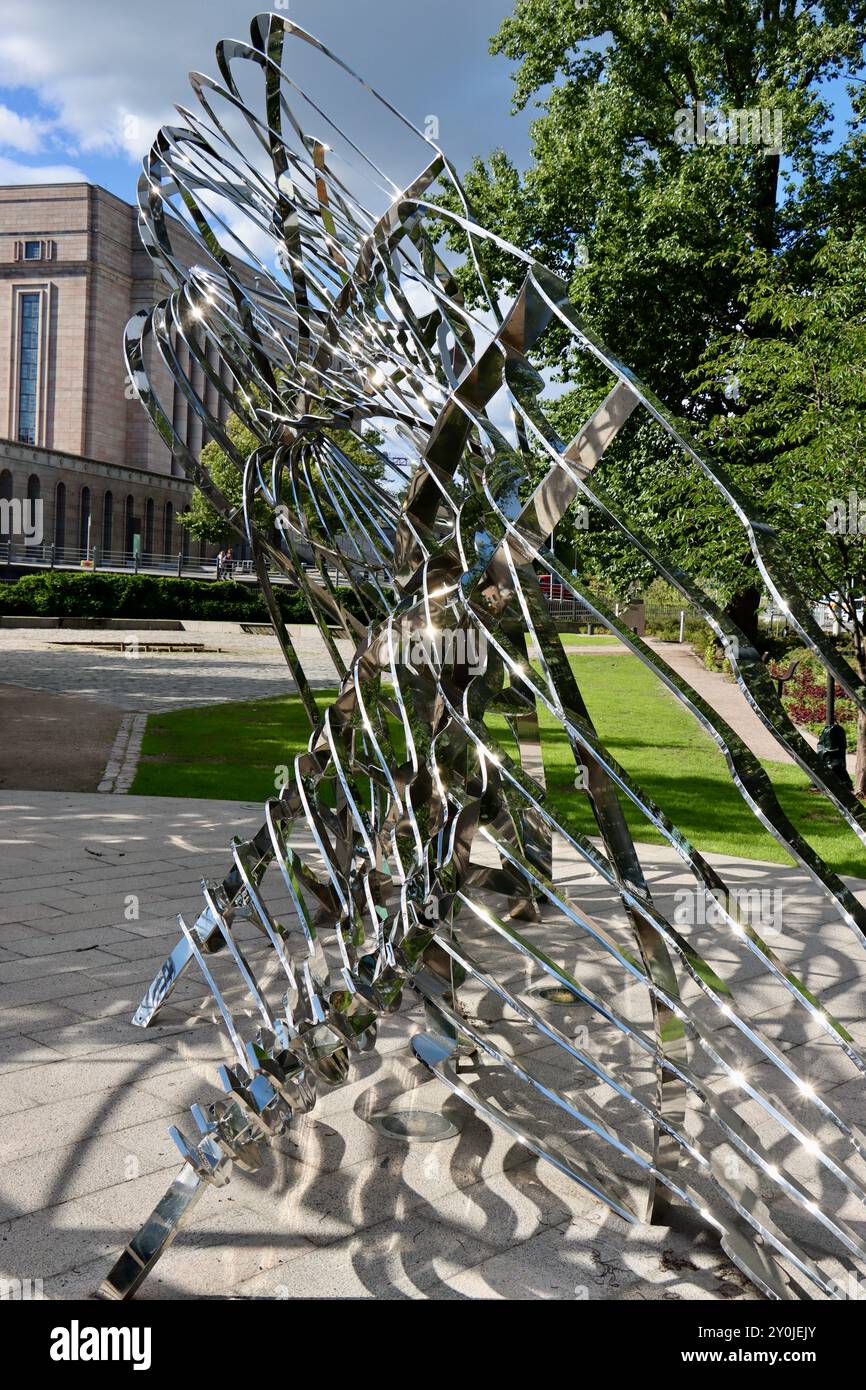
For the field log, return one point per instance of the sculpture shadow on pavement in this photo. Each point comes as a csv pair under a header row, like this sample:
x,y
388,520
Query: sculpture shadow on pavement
x,y
411,847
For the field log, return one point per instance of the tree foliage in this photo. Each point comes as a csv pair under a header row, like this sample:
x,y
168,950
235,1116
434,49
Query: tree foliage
x,y
205,523
665,244
801,414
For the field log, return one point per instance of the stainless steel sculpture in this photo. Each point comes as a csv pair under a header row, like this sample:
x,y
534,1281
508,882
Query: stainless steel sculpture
x,y
423,818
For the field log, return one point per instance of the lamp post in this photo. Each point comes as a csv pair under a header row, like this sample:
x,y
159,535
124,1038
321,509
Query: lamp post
x,y
833,745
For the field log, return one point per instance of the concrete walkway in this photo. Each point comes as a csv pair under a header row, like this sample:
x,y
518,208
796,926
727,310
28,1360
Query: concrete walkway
x,y
91,889
725,697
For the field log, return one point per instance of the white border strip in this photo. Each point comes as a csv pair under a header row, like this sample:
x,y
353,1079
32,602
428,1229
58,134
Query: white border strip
x,y
122,763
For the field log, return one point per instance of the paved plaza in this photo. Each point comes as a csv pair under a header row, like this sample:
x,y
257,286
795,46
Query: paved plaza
x,y
93,884
234,665
92,888
73,711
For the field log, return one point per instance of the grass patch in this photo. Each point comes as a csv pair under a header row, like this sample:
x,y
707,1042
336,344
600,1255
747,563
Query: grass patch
x,y
230,752
664,749
226,752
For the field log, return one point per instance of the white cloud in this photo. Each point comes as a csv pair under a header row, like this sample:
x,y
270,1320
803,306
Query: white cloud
x,y
111,73
12,172
20,132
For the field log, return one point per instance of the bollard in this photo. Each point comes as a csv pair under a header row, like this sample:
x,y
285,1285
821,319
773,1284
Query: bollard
x,y
832,744
179,563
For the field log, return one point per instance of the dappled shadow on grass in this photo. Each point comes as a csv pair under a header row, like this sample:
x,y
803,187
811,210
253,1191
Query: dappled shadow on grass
x,y
713,816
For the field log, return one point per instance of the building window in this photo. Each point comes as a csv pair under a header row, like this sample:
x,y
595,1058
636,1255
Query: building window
x,y
33,250
168,526
148,526
107,523
28,366
60,516
129,541
84,522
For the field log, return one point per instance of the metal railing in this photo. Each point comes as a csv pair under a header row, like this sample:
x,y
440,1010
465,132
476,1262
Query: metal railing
x,y
567,608
45,556
564,607
69,557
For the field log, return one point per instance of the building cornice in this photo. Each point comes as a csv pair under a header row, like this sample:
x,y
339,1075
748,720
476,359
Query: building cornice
x,y
12,450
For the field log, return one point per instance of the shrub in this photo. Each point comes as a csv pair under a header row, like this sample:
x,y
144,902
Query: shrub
x,y
666,628
805,696
56,594
714,657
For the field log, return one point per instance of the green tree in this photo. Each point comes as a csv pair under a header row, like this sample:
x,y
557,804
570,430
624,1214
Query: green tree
x,y
204,522
200,518
801,412
651,217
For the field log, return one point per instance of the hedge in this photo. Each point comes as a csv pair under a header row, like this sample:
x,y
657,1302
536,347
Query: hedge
x,y
56,594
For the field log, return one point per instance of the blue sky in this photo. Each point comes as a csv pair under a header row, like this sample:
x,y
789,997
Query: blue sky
x,y
94,80
83,87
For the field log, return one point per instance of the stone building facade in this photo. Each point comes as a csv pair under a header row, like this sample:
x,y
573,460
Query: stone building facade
x,y
67,508
72,272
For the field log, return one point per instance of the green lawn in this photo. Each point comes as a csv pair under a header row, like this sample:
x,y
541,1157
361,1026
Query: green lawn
x,y
232,752
664,749
228,752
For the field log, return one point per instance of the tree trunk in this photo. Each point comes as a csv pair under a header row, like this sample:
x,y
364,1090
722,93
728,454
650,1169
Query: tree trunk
x,y
860,764
860,661
743,610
